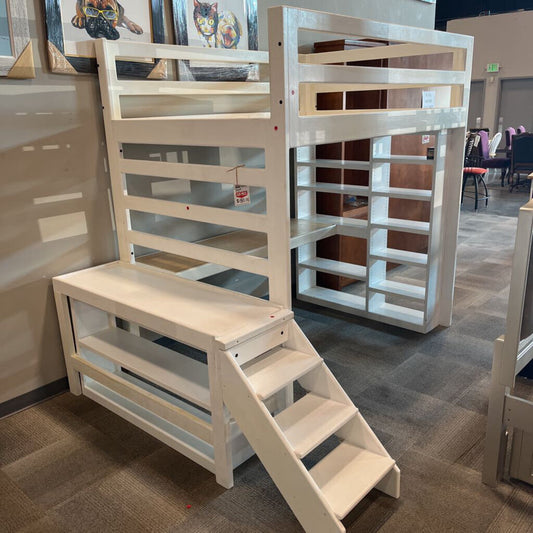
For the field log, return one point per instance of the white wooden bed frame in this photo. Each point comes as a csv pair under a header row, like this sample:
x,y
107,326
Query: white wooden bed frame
x,y
507,410
239,400
291,121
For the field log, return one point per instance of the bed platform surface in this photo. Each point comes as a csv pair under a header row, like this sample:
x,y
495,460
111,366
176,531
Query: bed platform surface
x,y
173,303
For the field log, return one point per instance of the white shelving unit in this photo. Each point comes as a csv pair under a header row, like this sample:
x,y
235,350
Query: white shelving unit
x,y
378,287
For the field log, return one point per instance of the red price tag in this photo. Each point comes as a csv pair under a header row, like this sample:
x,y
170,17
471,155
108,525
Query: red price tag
x,y
241,195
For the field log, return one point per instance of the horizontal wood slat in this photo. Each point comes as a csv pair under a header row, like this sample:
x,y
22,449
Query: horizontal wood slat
x,y
160,407
389,76
199,213
197,130
162,88
255,177
375,52
248,263
315,128
171,51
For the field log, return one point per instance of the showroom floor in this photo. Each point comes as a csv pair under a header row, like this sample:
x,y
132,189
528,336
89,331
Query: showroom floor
x,y
70,465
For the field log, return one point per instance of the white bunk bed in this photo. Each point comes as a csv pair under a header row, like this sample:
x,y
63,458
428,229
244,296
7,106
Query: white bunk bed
x,y
508,412
229,393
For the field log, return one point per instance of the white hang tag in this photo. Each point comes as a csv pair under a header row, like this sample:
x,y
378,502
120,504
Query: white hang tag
x,y
241,195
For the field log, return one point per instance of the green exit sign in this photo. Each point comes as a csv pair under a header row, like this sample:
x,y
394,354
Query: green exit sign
x,y
493,67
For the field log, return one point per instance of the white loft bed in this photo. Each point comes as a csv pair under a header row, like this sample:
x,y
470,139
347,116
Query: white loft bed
x,y
233,394
508,412
284,118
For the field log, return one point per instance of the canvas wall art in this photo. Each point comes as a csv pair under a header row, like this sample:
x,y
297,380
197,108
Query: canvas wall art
x,y
228,24
72,25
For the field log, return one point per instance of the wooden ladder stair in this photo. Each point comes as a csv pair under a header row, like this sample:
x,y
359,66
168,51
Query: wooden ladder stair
x,y
323,495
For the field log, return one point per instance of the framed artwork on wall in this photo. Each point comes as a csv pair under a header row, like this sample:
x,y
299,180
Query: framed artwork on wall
x,y
16,56
229,24
72,25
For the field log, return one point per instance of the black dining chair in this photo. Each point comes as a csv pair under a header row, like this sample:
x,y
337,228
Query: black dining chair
x,y
474,171
521,158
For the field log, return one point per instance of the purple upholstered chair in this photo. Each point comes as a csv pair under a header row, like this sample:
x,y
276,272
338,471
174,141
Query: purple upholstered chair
x,y
492,162
520,129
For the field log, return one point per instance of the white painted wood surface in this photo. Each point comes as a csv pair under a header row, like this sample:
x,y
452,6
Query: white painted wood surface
x,y
326,493
295,80
274,371
311,420
192,312
164,367
347,474
159,428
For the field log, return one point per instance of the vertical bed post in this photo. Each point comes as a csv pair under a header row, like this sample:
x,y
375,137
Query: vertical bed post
x,y
107,74
283,50
455,147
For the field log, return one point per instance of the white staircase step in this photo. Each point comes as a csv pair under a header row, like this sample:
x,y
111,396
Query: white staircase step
x,y
276,370
347,474
311,420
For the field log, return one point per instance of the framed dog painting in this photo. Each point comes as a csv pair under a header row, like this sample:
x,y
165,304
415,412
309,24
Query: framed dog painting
x,y
230,24
72,25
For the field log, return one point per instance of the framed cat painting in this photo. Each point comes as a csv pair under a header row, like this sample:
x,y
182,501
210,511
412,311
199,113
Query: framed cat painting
x,y
229,24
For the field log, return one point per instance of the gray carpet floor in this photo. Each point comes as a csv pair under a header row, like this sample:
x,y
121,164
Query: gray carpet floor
x,y
69,465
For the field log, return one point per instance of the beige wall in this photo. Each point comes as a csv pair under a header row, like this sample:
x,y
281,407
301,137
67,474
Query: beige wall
x,y
503,39
52,144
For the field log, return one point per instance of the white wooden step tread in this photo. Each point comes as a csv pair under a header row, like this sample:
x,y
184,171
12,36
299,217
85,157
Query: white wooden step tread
x,y
271,373
311,420
168,369
347,474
